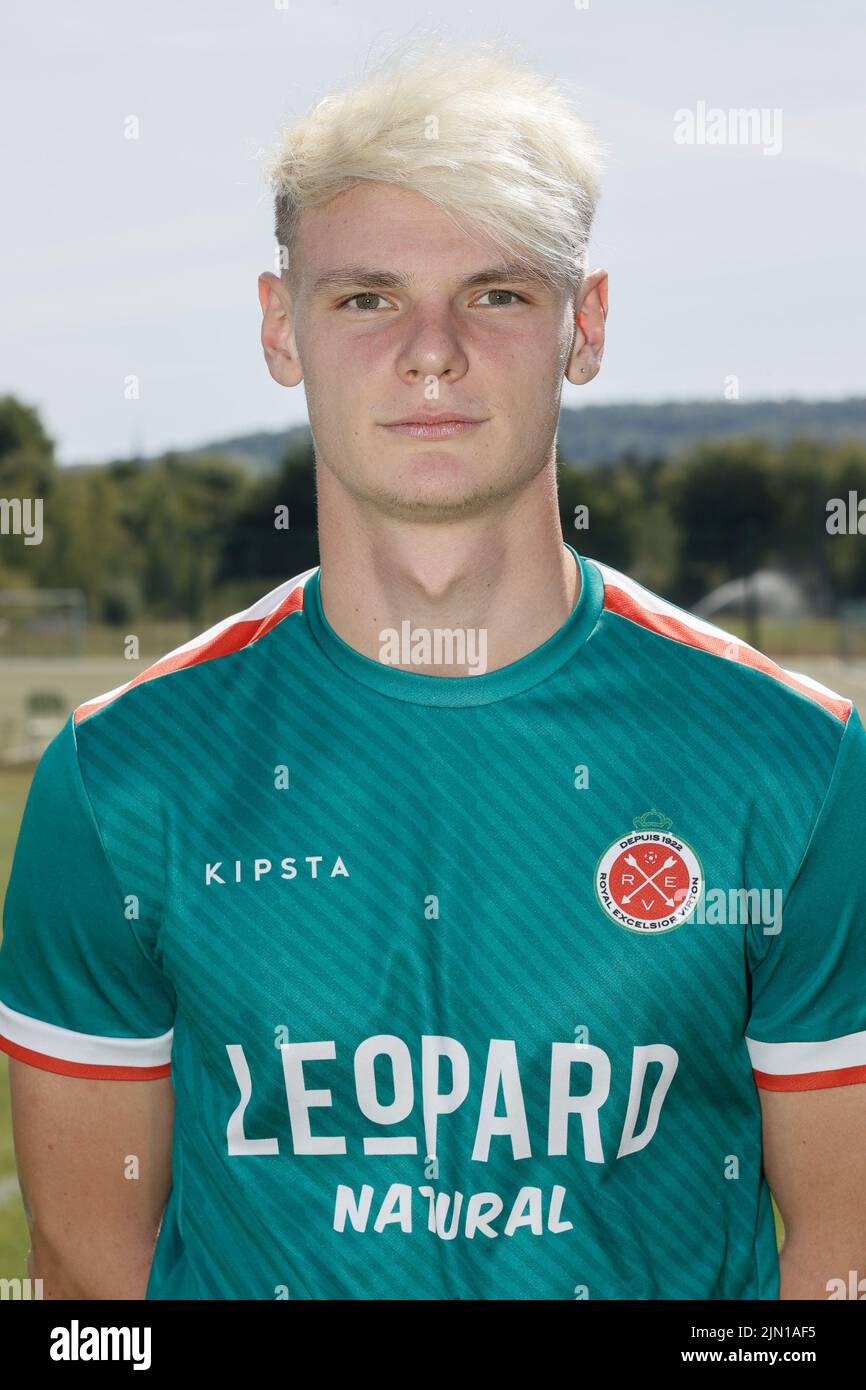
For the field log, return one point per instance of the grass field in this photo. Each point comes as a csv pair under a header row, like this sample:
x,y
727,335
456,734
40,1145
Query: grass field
x,y
13,1228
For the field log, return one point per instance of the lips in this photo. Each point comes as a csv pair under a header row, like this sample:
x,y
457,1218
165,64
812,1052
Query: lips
x,y
441,426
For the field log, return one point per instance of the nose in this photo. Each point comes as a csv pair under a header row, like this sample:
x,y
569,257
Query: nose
x,y
432,347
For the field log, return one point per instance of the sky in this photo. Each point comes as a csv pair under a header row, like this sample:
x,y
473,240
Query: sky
x,y
120,258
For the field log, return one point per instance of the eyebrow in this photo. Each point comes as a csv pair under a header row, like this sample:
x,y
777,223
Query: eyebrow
x,y
366,277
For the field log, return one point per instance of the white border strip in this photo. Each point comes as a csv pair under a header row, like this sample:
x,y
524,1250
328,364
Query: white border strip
x,y
796,1059
64,1045
268,603
654,603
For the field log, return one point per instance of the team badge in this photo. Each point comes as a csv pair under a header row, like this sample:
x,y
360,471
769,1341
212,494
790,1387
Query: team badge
x,y
650,880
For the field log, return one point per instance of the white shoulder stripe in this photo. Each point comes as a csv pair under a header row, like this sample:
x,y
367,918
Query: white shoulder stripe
x,y
260,609
268,603
84,1048
653,603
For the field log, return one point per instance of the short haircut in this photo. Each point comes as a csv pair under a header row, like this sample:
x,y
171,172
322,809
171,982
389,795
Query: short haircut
x,y
492,142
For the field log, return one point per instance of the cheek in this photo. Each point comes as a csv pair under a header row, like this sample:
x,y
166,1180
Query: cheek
x,y
531,353
342,361
523,377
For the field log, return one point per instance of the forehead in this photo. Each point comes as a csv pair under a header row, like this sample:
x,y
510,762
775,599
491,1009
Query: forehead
x,y
393,228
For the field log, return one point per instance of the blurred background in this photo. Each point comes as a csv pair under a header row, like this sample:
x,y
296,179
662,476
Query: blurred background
x,y
719,458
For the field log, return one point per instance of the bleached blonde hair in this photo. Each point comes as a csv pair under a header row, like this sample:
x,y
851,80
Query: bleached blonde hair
x,y
495,144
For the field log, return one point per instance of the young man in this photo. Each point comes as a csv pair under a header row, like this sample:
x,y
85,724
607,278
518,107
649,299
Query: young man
x,y
475,923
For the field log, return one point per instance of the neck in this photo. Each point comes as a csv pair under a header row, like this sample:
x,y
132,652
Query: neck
x,y
505,580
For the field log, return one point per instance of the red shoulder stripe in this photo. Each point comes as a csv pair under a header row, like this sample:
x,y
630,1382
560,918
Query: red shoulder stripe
x,y
664,618
234,633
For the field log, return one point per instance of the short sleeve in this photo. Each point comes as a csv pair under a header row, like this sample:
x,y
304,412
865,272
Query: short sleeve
x,y
78,993
807,1027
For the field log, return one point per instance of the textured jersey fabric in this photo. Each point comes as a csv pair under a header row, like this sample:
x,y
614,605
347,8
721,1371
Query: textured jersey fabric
x,y
467,987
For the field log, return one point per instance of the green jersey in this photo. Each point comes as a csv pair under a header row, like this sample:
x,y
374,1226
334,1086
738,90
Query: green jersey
x,y
467,987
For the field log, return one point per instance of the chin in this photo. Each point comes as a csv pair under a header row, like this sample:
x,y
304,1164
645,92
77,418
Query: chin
x,y
433,504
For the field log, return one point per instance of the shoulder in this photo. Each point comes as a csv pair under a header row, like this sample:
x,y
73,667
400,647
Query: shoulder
x,y
239,633
712,654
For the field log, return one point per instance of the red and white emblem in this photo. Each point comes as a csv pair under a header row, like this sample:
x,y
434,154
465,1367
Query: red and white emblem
x,y
649,881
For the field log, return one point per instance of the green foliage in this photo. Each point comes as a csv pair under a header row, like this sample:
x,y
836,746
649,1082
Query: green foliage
x,y
722,509
175,537
21,432
255,545
724,504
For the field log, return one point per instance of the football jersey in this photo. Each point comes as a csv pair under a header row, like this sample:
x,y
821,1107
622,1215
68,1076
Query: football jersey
x,y
467,987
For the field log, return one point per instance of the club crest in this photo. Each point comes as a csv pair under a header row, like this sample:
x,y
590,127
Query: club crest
x,y
650,880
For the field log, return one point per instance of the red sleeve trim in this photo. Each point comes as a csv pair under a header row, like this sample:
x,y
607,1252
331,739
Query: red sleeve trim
x,y
95,1071
810,1080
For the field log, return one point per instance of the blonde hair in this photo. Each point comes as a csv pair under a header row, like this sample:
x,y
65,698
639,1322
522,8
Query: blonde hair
x,y
490,141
